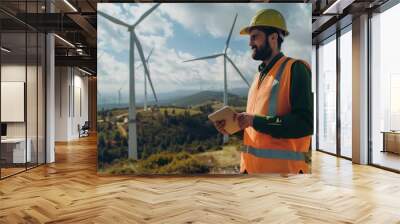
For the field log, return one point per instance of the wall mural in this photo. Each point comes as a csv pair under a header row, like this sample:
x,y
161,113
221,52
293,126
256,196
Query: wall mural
x,y
164,68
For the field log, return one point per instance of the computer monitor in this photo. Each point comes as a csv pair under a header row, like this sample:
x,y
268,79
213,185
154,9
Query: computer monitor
x,y
3,129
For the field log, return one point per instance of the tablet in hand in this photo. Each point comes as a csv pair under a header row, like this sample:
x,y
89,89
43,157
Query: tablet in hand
x,y
226,113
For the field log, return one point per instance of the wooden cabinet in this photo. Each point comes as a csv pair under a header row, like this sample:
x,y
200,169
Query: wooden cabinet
x,y
391,142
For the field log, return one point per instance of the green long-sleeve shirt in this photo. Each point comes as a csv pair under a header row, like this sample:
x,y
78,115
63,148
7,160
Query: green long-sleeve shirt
x,y
299,122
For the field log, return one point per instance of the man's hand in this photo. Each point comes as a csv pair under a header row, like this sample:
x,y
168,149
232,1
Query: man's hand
x,y
244,119
220,126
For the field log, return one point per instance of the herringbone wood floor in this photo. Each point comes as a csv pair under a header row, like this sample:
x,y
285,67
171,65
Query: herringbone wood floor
x,y
70,191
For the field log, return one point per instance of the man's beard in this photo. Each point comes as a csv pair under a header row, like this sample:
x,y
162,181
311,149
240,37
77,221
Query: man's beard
x,y
262,53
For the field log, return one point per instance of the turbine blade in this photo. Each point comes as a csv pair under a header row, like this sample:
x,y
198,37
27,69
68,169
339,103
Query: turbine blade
x,y
139,65
230,34
112,19
146,14
237,69
147,60
140,49
206,57
148,57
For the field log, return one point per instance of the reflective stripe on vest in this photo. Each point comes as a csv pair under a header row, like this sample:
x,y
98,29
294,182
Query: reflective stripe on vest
x,y
272,105
275,153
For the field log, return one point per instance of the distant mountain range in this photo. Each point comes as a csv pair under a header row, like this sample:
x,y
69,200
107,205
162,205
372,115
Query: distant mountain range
x,y
189,98
201,98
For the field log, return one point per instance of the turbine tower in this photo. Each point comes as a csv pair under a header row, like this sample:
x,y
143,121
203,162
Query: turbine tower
x,y
132,140
199,79
119,96
100,101
226,57
145,80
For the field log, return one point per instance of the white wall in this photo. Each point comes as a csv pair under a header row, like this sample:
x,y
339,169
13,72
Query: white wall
x,y
12,73
81,94
33,126
17,73
61,103
71,87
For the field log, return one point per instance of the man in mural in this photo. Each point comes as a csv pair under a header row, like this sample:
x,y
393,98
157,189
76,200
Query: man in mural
x,y
278,122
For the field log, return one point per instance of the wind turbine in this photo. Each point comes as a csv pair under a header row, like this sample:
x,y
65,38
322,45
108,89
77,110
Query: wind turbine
x,y
101,104
145,80
119,96
226,57
132,140
199,79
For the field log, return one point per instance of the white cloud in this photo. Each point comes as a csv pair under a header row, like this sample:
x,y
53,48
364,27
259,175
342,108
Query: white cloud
x,y
154,27
203,19
112,73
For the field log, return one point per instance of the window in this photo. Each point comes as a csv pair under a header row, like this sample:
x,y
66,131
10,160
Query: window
x,y
327,96
346,93
385,85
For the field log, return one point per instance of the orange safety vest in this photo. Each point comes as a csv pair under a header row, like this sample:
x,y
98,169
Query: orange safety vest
x,y
264,153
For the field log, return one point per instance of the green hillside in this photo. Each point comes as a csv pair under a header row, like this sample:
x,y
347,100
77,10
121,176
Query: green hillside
x,y
206,97
224,161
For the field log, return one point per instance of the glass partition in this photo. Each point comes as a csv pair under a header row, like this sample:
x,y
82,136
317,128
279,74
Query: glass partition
x,y
22,91
13,104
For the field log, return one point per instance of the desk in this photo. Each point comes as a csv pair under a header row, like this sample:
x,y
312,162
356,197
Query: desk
x,y
391,141
15,148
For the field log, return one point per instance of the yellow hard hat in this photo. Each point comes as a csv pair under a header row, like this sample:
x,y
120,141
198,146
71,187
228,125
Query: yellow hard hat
x,y
268,18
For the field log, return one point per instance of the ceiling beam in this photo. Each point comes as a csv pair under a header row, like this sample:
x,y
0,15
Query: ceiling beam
x,y
321,20
86,26
337,7
81,61
49,22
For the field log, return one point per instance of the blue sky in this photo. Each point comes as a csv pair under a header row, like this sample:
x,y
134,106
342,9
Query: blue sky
x,y
183,31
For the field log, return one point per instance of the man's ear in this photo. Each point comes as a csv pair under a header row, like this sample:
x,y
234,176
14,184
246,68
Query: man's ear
x,y
272,39
274,36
